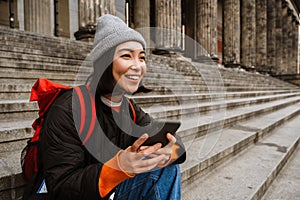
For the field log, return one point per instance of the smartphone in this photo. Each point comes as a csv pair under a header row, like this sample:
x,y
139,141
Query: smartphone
x,y
158,130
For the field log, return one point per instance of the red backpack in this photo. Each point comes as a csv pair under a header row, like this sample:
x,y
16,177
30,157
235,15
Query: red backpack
x,y
45,92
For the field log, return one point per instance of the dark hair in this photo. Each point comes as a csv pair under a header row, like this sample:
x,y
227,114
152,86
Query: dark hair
x,y
102,80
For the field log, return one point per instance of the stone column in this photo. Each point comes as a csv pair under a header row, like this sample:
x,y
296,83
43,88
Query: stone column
x,y
89,11
248,36
279,41
296,50
232,31
141,18
21,14
294,47
190,13
261,35
168,17
285,38
207,25
74,15
290,69
296,44
37,16
271,35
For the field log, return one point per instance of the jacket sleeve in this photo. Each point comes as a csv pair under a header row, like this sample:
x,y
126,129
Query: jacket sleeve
x,y
63,157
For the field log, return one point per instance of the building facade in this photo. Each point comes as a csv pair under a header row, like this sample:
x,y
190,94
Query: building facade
x,y
254,34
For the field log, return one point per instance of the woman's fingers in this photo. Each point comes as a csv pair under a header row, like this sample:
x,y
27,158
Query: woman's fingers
x,y
149,163
136,145
138,159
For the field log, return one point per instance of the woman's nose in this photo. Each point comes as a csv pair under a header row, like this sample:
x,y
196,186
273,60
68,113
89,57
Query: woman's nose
x,y
137,64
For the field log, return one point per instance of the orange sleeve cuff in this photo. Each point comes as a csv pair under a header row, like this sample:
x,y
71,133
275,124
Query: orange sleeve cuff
x,y
111,175
173,156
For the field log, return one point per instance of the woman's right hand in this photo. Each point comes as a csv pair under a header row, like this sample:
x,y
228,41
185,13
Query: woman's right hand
x,y
132,160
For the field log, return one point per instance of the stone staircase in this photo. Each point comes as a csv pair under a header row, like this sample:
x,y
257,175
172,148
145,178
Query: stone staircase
x,y
239,128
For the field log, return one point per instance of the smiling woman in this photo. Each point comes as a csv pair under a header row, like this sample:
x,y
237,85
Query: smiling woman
x,y
113,163
129,65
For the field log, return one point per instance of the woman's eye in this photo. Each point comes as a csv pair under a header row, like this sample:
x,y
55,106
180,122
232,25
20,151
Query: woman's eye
x,y
125,56
143,58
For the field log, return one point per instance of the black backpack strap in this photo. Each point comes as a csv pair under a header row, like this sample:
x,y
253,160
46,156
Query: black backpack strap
x,y
87,113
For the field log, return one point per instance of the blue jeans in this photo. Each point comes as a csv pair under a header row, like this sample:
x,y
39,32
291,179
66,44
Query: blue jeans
x,y
160,184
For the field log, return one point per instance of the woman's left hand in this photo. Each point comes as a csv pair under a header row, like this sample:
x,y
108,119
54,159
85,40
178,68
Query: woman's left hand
x,y
166,150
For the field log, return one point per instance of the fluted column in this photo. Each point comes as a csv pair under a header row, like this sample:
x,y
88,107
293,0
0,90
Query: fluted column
x,y
232,26
248,55
141,18
285,38
292,45
168,17
37,16
296,46
271,35
279,40
206,22
89,11
290,69
261,35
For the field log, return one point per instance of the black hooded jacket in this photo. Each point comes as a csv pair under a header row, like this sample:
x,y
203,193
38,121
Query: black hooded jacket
x,y
72,170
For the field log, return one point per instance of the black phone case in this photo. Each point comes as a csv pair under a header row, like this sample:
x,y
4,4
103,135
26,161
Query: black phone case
x,y
158,130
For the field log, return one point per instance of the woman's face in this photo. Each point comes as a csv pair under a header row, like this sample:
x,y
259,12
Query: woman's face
x,y
129,65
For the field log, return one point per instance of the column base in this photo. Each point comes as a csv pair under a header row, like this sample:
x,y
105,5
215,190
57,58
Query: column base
x,y
207,59
265,70
86,33
232,65
168,52
249,68
291,78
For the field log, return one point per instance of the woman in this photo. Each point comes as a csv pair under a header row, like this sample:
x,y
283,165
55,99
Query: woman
x,y
113,163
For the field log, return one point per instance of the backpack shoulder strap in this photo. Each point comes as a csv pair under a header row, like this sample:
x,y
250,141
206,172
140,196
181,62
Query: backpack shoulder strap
x,y
132,110
87,112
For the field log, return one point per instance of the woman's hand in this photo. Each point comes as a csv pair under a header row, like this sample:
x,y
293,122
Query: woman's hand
x,y
167,150
132,160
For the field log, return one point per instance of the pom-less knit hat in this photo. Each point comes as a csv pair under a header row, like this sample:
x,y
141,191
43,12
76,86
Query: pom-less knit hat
x,y
112,31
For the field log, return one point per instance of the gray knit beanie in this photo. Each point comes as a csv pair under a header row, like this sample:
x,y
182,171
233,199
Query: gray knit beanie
x,y
112,31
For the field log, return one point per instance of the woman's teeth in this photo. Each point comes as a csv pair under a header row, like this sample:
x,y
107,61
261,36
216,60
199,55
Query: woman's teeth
x,y
133,77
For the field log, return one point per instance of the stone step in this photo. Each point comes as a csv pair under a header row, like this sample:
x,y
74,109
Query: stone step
x,y
246,174
198,125
20,108
10,159
287,183
41,40
188,109
171,89
31,77
31,49
40,58
193,126
21,65
148,100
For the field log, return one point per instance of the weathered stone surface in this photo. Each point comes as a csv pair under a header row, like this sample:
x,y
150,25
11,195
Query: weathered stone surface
x,y
271,35
248,36
232,31
37,16
261,35
206,23
168,20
